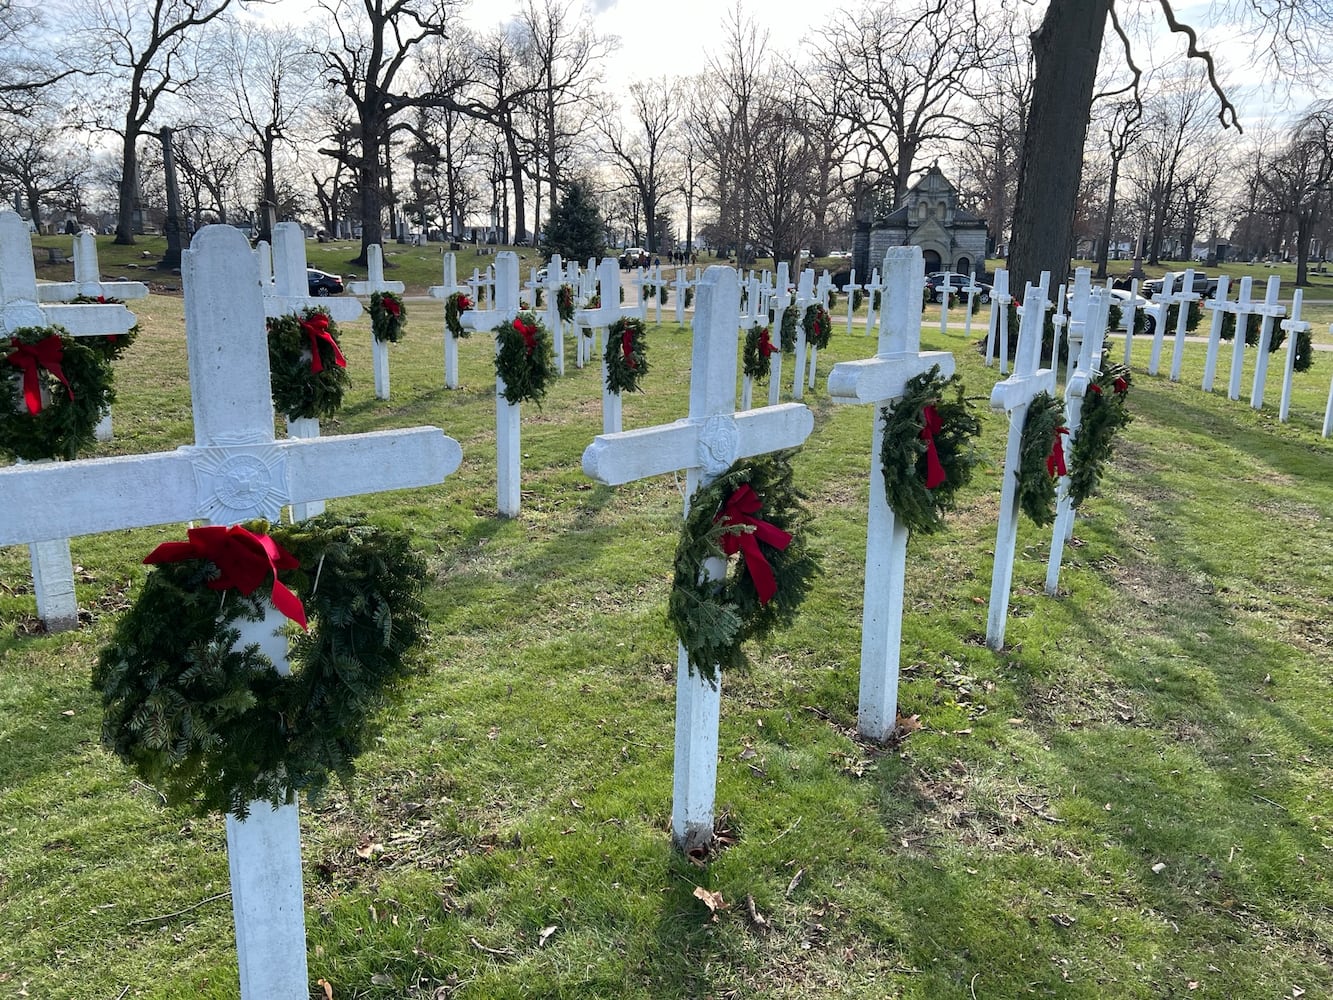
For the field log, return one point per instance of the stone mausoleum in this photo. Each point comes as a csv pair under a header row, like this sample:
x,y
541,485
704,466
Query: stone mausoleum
x,y
951,238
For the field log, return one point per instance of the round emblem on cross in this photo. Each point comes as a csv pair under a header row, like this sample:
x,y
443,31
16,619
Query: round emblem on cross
x,y
239,481
719,444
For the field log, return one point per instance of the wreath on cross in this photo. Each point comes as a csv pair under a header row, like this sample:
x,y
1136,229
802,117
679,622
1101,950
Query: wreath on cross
x,y
752,512
53,391
625,355
214,726
388,316
112,345
1104,415
927,454
818,326
564,303
454,307
1041,457
524,359
787,332
758,350
306,365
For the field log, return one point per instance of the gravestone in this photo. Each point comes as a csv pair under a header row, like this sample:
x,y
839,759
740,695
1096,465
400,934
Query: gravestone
x,y
264,257
1013,396
971,290
1270,311
1293,328
705,444
234,472
442,291
49,557
1221,307
508,416
1328,407
997,331
375,283
551,284
680,285
879,381
781,300
871,287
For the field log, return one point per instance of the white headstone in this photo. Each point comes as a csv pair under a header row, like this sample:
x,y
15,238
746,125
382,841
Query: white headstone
x,y
375,283
705,444
878,381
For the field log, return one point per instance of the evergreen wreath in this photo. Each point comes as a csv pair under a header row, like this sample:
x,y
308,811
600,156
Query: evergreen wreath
x,y
307,369
625,355
388,316
1193,317
564,303
215,727
648,294
758,349
858,297
713,618
525,359
112,345
1104,414
662,294
832,300
1228,331
818,326
932,414
454,307
787,333
77,380
1036,472
689,297
1304,348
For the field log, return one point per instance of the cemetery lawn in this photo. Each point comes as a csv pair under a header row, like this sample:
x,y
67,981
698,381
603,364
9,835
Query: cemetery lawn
x,y
1133,800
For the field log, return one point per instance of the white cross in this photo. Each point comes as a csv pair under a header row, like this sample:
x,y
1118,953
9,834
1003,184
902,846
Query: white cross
x,y
1293,328
781,300
805,297
1221,307
1079,301
554,278
972,289
872,287
850,290
878,381
1086,358
1184,298
600,319
443,291
640,278
1013,396
20,306
1271,311
705,444
508,422
1328,407
1243,309
375,283
681,285
88,278
997,333
1161,304
234,472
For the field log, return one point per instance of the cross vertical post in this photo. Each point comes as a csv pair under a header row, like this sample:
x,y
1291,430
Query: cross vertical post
x,y
448,287
1271,311
1131,307
1221,307
997,331
1184,298
375,283
878,381
1161,305
1243,309
1294,327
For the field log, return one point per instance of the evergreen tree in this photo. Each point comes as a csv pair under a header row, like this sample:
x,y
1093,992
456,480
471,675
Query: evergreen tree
x,y
575,230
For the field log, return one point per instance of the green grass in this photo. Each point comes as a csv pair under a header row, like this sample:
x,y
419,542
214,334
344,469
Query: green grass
x,y
1170,707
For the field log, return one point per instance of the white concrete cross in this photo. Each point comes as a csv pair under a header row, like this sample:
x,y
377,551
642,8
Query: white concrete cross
x,y
1184,298
1079,301
446,288
1157,309
20,306
1293,327
1128,312
234,472
639,279
878,381
1243,308
264,256
1328,407
972,290
375,283
705,444
681,284
1220,307
1086,356
600,320
850,291
508,422
1013,396
997,333
1270,311
805,297
780,301
551,285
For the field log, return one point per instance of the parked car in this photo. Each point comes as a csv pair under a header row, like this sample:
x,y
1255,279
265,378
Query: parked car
x,y
322,283
952,281
1203,285
633,257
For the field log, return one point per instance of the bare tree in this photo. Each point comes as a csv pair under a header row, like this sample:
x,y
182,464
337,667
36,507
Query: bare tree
x,y
1119,131
1299,180
641,152
28,65
39,161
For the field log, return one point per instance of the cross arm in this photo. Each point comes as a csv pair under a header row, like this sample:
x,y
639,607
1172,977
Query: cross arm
x,y
884,376
370,287
80,321
1016,390
344,310
64,291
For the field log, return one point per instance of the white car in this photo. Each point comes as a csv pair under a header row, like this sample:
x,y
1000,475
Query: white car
x,y
1121,297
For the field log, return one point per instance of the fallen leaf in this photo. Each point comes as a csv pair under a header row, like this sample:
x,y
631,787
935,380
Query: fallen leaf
x,y
748,753
327,987
795,881
545,933
908,724
1061,919
68,713
368,848
576,803
1192,985
712,900
1296,991
1159,867
756,918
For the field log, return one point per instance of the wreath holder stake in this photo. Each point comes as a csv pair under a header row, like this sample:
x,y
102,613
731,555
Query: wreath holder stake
x,y
1013,396
52,567
705,446
235,472
878,381
375,283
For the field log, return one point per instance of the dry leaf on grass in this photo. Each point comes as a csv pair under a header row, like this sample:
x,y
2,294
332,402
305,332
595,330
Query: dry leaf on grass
x,y
327,987
545,933
712,900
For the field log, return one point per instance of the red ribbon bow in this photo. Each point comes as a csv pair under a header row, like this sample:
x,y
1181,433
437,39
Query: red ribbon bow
x,y
529,334
244,561
464,303
316,327
627,346
390,305
932,425
46,353
1055,461
1120,385
739,510
766,347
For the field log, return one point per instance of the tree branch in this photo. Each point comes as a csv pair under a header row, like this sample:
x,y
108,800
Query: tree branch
x,y
1206,57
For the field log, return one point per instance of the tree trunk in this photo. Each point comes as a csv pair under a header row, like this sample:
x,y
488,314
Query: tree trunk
x,y
126,193
1104,251
1066,48
368,180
